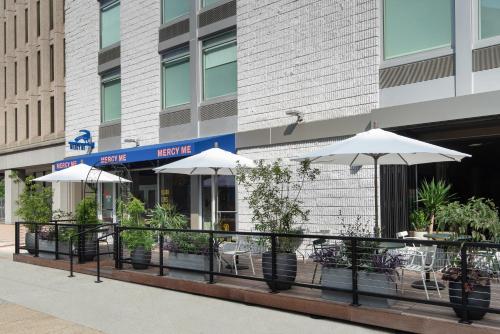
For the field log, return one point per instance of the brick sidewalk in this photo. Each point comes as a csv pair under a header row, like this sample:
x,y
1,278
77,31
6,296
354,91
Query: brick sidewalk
x,y
16,319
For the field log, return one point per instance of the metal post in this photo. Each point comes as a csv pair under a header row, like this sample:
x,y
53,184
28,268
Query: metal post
x,y
98,261
465,313
377,227
80,244
354,271
161,255
120,249
56,236
273,264
211,255
36,241
16,237
71,257
116,235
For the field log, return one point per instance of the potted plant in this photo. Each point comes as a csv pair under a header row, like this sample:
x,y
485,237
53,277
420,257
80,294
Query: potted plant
x,y
433,195
273,197
138,242
34,206
376,268
419,224
187,250
86,217
477,286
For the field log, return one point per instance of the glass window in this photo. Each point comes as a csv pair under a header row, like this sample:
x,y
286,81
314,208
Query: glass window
x,y
489,18
219,66
176,83
209,2
413,26
174,8
111,98
110,23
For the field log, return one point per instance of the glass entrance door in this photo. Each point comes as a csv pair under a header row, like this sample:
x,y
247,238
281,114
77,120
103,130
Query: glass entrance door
x,y
226,219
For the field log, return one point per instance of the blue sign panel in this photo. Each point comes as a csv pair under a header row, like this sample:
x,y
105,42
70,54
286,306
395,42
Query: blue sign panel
x,y
151,152
82,142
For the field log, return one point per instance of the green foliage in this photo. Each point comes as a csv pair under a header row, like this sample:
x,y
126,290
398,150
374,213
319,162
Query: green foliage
x,y
2,189
478,218
132,213
86,212
167,216
273,197
419,220
433,195
34,203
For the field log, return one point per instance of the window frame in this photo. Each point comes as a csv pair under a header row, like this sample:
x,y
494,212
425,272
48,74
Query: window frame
x,y
417,56
231,37
212,5
176,56
106,5
172,20
107,78
478,42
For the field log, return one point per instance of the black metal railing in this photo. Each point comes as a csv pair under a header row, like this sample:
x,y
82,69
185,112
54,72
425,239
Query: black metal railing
x,y
47,238
364,259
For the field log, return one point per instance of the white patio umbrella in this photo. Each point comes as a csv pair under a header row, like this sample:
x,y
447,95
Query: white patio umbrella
x,y
380,147
81,173
214,161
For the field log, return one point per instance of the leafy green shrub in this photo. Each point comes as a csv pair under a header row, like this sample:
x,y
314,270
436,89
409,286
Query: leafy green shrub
x,y
419,221
2,188
167,216
132,216
34,203
86,212
478,218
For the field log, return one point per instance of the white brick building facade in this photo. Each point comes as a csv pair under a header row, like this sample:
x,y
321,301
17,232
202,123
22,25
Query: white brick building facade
x,y
320,58
83,82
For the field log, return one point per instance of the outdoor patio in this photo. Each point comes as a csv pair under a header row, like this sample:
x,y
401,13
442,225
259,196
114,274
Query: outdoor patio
x,y
399,315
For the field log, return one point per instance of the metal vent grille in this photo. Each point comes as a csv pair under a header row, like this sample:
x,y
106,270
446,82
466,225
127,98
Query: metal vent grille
x,y
486,58
174,30
219,110
217,14
109,55
108,131
425,70
175,118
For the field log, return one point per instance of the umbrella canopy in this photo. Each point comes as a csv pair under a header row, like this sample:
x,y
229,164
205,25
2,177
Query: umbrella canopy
x,y
214,161
210,162
382,147
391,148
81,173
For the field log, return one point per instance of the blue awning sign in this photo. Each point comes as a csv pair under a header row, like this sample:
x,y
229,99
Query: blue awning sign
x,y
150,152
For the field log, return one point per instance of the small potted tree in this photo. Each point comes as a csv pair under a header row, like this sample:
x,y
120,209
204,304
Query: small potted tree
x,y
478,219
138,242
433,195
86,217
419,223
34,206
273,197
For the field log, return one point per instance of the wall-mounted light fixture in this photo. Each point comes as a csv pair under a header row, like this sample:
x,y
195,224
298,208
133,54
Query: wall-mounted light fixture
x,y
298,114
131,140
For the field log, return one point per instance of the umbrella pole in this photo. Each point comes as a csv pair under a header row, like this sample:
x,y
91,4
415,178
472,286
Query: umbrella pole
x,y
216,192
377,228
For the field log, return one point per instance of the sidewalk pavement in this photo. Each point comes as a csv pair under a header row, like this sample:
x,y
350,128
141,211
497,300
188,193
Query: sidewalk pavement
x,y
15,319
119,307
